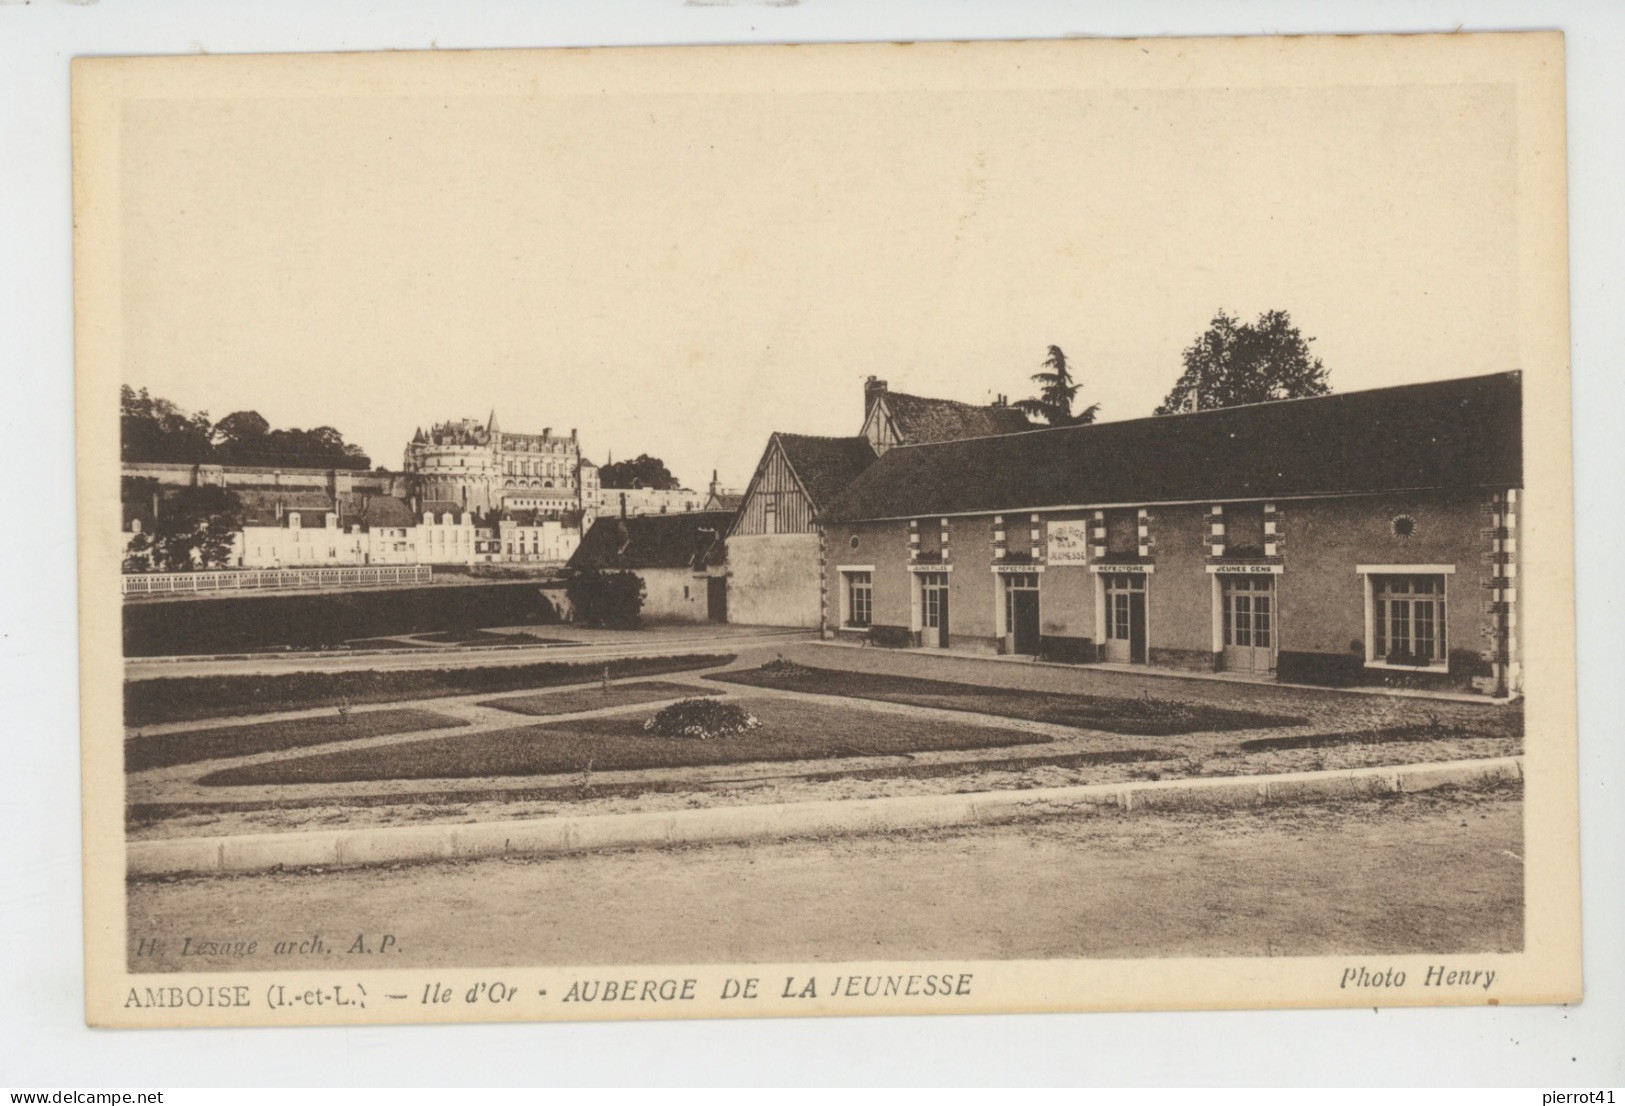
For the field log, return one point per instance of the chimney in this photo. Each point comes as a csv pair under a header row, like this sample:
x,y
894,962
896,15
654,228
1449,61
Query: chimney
x,y
623,504
873,388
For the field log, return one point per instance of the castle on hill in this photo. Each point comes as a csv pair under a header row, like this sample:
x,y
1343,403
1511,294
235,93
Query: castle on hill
x,y
484,469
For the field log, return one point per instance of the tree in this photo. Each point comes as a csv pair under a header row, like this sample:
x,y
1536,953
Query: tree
x,y
1057,391
241,433
154,429
642,471
138,553
1235,362
610,599
194,530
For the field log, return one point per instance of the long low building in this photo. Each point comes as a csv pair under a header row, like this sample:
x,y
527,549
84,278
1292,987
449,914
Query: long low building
x,y
1363,537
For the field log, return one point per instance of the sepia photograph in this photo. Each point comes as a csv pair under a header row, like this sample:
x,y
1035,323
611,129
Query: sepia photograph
x,y
858,529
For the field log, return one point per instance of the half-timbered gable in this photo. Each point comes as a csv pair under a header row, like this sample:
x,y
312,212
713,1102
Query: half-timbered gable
x,y
775,548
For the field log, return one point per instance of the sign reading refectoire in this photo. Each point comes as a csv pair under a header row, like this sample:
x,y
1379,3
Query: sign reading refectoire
x,y
1068,542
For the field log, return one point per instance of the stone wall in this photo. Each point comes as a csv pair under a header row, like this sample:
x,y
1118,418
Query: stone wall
x,y
773,580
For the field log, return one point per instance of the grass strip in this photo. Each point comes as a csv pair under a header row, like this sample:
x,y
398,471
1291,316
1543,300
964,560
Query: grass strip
x,y
1143,717
187,698
166,750
617,695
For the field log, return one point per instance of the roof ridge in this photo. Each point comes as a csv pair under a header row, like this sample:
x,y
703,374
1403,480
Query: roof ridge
x,y
1456,432
1209,411
954,402
819,437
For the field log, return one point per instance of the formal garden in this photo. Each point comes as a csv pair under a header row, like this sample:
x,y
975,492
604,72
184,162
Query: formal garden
x,y
499,742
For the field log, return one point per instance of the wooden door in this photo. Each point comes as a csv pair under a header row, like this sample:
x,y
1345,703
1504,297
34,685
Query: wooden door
x,y
716,598
1249,623
1125,618
1021,612
934,609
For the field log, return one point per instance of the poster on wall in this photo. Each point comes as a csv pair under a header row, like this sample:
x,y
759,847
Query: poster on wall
x,y
1068,542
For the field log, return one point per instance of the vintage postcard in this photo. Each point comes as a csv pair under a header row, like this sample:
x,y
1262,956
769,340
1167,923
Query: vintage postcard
x,y
754,531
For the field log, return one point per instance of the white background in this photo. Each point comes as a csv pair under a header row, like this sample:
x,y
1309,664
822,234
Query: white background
x,y
43,1042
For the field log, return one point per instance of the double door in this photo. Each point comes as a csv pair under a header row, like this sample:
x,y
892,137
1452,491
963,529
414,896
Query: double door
x,y
1248,610
1125,617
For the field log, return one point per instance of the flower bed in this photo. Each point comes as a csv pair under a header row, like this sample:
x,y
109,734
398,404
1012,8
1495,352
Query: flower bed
x,y
701,720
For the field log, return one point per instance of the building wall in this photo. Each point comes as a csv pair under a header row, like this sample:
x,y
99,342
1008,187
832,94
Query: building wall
x,y
441,540
391,545
331,481
1066,592
971,586
1320,612
548,542
1179,594
884,546
1323,597
673,595
298,546
773,579
648,501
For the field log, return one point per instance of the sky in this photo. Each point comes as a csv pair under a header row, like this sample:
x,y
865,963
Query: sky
x,y
682,266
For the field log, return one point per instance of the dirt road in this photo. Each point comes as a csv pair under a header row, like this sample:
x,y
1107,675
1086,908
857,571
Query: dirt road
x,y
1425,873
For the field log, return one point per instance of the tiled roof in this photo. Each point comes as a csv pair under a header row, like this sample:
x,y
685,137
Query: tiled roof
x,y
652,541
260,507
825,466
1460,433
362,509
922,419
438,507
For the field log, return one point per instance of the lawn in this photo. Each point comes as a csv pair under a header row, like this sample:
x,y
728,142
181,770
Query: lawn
x,y
165,750
618,695
1146,716
186,698
789,731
